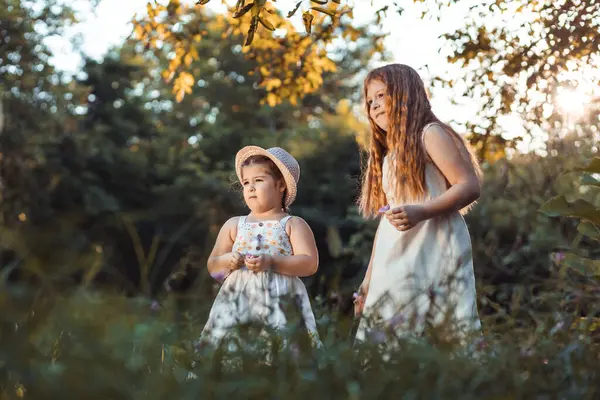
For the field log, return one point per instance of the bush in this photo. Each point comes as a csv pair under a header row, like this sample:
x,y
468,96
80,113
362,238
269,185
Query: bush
x,y
100,345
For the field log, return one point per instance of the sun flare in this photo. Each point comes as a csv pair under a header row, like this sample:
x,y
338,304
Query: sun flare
x,y
572,101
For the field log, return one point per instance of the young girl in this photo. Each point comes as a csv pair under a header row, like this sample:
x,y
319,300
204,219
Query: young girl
x,y
260,256
420,177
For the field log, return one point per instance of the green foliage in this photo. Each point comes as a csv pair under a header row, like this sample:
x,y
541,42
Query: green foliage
x,y
517,250
135,185
92,345
588,212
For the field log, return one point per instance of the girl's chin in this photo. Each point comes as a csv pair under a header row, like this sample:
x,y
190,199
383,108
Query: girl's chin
x,y
383,127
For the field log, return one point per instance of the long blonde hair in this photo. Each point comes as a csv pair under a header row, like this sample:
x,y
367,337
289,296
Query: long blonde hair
x,y
409,111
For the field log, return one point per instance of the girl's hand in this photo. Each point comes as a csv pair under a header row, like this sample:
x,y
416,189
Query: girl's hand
x,y
236,261
360,297
259,263
406,217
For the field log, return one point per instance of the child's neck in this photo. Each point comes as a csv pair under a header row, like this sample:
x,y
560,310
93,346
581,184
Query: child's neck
x,y
274,213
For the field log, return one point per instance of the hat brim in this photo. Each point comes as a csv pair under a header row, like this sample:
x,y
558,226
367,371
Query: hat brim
x,y
250,151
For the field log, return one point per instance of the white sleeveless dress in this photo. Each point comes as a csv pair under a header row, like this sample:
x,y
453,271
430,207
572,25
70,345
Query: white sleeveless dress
x,y
249,297
421,275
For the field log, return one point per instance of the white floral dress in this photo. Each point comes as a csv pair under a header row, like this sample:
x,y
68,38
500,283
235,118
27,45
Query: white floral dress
x,y
247,296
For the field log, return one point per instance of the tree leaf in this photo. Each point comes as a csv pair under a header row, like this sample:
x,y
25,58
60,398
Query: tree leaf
x,y
265,22
586,266
307,18
139,32
291,13
271,99
243,11
559,206
592,167
331,13
588,229
252,30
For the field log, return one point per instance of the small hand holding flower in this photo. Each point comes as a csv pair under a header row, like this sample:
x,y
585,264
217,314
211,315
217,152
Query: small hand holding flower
x,y
236,261
259,263
405,217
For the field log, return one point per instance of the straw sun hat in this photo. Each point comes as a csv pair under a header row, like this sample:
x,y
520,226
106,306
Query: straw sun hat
x,y
286,163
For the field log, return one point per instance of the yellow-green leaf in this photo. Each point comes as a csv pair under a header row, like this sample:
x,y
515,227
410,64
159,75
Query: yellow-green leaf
x,y
186,79
272,83
559,206
331,13
291,13
265,22
588,229
257,8
179,95
243,11
307,18
252,30
272,99
139,32
592,167
585,266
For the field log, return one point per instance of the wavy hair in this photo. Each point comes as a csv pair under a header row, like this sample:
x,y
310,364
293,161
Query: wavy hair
x,y
409,111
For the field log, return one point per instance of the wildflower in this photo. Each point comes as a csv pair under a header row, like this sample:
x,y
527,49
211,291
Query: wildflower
x,y
377,336
384,208
155,305
558,257
559,326
396,320
219,275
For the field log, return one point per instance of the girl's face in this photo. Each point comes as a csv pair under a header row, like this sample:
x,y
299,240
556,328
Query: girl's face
x,y
262,192
377,101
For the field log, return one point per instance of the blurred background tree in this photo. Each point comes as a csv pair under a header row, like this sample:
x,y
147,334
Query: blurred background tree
x,y
137,184
290,63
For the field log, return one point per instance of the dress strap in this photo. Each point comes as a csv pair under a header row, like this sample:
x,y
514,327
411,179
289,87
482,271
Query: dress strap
x,y
427,127
423,136
284,221
241,221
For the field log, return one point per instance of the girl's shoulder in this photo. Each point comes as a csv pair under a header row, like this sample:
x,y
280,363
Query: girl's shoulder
x,y
433,128
296,223
434,135
231,225
233,221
